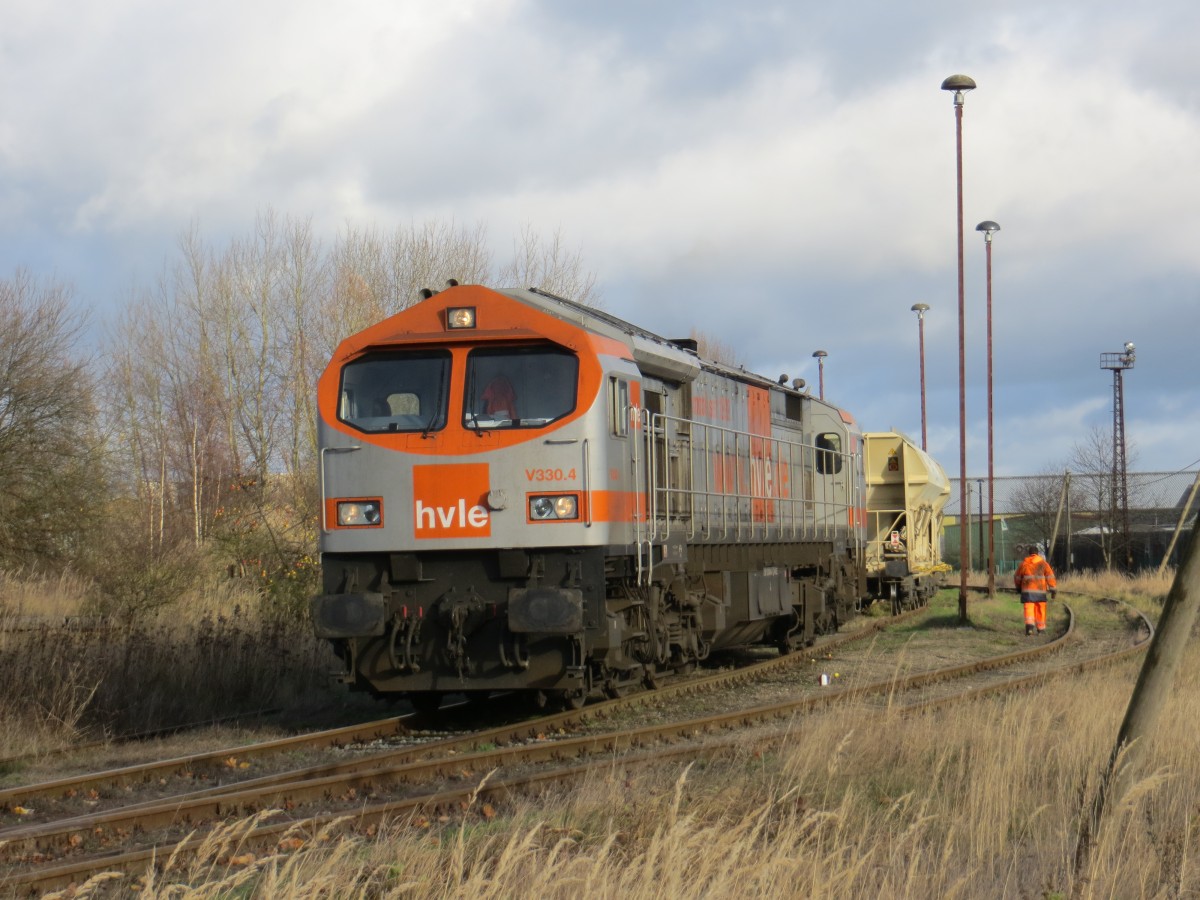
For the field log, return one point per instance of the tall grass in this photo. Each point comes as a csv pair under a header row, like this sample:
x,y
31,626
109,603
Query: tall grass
x,y
981,800
1144,589
213,653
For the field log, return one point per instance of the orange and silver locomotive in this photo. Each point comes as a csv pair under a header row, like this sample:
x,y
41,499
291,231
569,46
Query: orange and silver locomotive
x,y
522,493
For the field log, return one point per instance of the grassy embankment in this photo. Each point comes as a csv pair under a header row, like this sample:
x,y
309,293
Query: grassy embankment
x,y
71,675
976,801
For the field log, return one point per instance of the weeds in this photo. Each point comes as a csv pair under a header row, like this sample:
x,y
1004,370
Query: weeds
x,y
220,655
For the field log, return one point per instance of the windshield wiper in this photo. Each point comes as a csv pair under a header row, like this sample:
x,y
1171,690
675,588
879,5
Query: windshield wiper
x,y
437,406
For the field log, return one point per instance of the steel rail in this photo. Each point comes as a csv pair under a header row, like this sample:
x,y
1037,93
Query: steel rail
x,y
7,762
332,737
22,795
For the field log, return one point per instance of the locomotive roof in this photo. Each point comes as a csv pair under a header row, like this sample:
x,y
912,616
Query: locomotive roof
x,y
613,326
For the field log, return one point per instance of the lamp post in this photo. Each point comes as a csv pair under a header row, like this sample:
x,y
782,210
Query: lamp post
x,y
988,227
819,356
920,309
960,84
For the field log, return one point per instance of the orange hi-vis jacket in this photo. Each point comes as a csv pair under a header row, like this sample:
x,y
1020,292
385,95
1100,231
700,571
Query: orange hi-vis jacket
x,y
1035,575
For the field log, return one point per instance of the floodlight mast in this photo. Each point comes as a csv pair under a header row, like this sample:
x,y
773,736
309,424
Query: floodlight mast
x,y
1118,363
989,228
959,85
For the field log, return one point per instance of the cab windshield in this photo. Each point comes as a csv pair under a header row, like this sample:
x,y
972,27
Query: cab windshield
x,y
384,392
519,387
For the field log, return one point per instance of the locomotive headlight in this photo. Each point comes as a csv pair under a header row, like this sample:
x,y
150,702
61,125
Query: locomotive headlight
x,y
554,508
460,317
359,512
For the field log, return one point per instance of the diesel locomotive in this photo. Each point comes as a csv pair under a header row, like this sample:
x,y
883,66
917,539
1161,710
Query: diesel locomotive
x,y
520,493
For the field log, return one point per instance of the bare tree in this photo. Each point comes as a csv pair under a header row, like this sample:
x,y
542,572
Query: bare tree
x,y
1037,499
711,347
53,484
1092,460
168,414
547,264
375,275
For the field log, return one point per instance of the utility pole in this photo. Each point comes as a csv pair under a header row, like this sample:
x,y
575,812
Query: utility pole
x,y
1187,508
1062,499
1154,685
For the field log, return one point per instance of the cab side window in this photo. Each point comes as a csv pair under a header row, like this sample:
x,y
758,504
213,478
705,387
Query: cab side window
x,y
829,453
618,406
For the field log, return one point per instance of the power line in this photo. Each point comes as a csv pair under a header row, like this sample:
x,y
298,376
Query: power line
x,y
1183,471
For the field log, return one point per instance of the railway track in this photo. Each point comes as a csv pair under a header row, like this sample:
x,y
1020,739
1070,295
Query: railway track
x,y
232,765
446,776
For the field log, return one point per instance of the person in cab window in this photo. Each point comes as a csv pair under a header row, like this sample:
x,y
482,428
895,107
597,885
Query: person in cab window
x,y
500,399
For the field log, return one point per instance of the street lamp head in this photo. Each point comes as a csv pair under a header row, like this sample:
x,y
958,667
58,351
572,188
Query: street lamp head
x,y
819,354
920,309
960,84
988,228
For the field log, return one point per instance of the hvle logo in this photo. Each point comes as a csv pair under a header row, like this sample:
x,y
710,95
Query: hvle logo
x,y
447,516
448,501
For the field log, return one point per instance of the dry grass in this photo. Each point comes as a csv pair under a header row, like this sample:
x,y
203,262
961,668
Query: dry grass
x,y
214,653
41,597
979,801
1145,589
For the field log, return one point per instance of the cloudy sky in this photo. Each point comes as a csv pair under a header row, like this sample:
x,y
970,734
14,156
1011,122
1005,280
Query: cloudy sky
x,y
779,175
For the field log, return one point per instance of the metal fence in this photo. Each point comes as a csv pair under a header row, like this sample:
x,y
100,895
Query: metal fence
x,y
1072,519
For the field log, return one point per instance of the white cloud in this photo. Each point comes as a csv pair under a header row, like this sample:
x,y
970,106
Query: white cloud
x,y
779,175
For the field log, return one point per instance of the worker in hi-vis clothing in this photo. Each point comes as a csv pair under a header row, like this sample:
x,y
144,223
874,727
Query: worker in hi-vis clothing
x,y
1034,580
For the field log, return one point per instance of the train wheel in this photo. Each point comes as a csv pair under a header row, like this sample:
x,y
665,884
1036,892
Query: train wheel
x,y
573,699
615,690
649,677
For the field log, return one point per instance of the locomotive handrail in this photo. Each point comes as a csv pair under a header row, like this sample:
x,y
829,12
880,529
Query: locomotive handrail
x,y
587,485
641,503
321,467
815,512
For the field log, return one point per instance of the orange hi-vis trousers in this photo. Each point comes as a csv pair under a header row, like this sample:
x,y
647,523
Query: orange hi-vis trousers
x,y
1035,613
